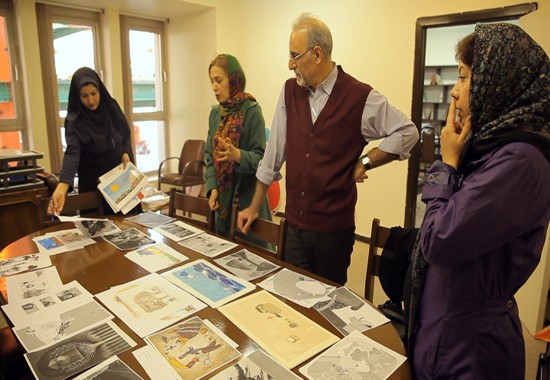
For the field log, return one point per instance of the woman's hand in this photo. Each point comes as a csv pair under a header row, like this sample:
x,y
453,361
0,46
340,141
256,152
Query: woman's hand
x,y
124,160
58,199
227,151
453,137
213,200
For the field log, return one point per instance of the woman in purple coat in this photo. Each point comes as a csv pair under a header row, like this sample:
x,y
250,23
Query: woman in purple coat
x,y
487,211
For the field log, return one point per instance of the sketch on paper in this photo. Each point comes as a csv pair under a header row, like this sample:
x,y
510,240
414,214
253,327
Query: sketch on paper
x,y
208,283
112,368
31,310
32,284
296,287
286,334
125,240
257,365
79,352
354,357
247,265
156,257
347,312
177,230
96,227
150,219
23,263
62,241
192,348
59,326
150,303
207,245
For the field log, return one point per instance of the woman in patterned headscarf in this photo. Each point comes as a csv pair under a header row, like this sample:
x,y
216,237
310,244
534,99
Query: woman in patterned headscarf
x,y
487,211
235,143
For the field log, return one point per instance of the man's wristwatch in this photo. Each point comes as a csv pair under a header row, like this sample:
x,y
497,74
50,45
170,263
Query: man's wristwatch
x,y
365,160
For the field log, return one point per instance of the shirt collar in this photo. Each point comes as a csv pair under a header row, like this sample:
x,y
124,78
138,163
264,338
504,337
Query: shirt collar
x,y
328,84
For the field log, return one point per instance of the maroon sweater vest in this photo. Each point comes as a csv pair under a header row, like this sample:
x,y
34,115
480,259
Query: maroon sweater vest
x,y
320,157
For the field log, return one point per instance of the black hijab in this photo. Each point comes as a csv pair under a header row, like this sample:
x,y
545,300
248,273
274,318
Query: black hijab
x,y
510,91
95,127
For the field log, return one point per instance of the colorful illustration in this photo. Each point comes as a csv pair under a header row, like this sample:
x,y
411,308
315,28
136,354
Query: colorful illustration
x,y
192,348
214,286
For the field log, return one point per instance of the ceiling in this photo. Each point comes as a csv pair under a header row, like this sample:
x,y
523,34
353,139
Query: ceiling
x,y
163,9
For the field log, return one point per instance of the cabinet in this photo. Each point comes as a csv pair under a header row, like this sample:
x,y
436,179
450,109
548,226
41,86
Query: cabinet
x,y
21,213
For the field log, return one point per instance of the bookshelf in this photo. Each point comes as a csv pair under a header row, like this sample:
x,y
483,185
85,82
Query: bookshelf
x,y
438,82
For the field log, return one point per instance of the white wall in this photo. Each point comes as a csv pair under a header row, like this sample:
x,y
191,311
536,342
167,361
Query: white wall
x,y
373,41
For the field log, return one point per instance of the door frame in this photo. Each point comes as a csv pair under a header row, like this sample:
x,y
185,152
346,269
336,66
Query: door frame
x,y
422,24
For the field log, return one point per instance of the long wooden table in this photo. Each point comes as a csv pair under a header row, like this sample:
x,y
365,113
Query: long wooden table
x,y
100,266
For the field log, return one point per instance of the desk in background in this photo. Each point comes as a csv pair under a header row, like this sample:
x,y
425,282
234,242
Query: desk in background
x,y
100,266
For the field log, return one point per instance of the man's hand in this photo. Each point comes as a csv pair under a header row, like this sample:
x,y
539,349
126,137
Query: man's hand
x,y
359,172
245,218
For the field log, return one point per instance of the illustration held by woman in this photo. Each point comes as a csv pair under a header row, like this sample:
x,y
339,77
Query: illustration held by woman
x,y
97,135
235,143
487,211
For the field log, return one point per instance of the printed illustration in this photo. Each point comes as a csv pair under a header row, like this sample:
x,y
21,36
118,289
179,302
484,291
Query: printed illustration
x,y
192,348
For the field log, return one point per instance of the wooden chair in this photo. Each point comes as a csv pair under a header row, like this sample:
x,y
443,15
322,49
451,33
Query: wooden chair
x,y
75,203
190,207
378,237
263,230
396,262
191,165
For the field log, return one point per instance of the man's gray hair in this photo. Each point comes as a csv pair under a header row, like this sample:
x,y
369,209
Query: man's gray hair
x,y
318,33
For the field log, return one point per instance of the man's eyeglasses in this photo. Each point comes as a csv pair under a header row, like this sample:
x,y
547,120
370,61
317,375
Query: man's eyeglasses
x,y
295,58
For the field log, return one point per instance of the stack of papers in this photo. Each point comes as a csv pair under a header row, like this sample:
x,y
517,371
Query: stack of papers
x,y
122,188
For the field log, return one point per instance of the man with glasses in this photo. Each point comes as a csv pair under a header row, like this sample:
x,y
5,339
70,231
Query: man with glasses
x,y
323,120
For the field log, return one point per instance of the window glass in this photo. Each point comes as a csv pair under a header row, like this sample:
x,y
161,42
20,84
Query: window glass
x,y
11,140
145,71
149,144
144,75
7,106
73,48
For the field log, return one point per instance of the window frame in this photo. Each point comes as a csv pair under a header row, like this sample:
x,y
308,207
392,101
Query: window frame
x,y
46,15
18,123
132,23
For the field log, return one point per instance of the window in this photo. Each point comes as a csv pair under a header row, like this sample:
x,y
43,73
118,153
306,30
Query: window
x,y
12,126
144,89
69,38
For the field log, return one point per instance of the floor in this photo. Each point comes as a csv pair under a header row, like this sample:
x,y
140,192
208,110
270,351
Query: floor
x,y
356,283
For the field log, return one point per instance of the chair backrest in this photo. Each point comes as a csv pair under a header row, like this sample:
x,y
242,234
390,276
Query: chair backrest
x,y
192,150
191,207
74,204
378,237
427,154
262,230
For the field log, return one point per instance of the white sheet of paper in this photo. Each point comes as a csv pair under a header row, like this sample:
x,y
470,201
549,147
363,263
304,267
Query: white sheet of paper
x,y
156,257
23,263
31,284
152,363
26,311
132,308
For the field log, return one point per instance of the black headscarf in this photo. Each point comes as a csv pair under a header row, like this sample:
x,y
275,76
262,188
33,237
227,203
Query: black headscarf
x,y
510,91
97,126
